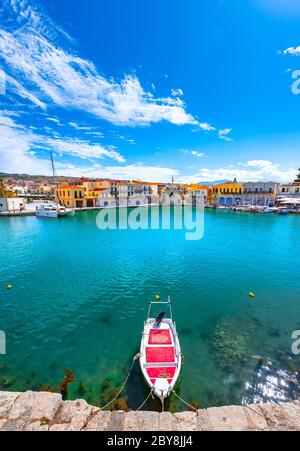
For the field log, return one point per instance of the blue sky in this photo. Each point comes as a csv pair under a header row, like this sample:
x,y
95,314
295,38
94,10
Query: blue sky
x,y
199,90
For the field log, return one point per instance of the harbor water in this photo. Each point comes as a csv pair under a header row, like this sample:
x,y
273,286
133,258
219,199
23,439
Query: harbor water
x,y
80,295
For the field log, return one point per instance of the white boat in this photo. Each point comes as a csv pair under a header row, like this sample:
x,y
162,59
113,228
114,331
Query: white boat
x,y
53,211
268,210
160,355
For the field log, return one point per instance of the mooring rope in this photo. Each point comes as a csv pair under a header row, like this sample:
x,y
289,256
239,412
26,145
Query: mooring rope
x,y
144,402
184,402
122,388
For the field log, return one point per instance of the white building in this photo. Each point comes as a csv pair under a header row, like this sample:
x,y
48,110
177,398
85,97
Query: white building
x,y
260,194
290,190
197,196
106,199
11,204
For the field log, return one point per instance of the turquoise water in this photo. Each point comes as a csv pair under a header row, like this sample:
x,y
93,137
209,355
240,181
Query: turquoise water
x,y
80,296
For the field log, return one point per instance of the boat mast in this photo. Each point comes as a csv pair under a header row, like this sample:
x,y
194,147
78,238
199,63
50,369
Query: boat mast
x,y
52,165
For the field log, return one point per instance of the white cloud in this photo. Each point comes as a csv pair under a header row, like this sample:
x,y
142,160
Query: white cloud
x,y
79,127
56,121
17,144
177,92
223,134
294,51
52,75
195,153
21,90
206,126
253,170
128,172
78,148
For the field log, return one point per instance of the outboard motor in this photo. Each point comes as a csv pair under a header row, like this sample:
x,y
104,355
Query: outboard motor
x,y
159,318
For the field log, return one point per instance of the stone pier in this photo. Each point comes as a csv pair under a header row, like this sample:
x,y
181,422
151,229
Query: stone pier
x,y
41,411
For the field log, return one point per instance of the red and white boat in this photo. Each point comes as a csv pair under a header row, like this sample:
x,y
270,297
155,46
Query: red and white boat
x,y
160,355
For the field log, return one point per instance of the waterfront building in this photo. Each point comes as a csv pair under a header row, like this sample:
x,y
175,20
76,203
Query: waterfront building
x,y
106,199
11,204
112,193
201,190
173,194
260,194
290,190
72,196
144,192
228,194
196,195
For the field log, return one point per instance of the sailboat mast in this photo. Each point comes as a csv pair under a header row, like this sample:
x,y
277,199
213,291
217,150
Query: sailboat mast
x,y
52,165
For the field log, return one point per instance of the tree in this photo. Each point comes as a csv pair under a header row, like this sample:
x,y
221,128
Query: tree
x,y
3,191
298,177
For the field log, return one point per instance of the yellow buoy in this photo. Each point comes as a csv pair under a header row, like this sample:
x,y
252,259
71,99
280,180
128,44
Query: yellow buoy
x,y
251,294
9,287
157,297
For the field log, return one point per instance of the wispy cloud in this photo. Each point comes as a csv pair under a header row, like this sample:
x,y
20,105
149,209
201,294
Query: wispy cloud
x,y
80,127
197,154
51,74
294,51
177,92
18,155
17,143
206,126
223,134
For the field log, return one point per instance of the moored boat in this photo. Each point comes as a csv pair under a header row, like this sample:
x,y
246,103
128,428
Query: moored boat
x,y
160,354
268,210
53,211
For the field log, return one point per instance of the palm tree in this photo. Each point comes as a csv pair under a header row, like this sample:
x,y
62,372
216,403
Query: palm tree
x,y
298,177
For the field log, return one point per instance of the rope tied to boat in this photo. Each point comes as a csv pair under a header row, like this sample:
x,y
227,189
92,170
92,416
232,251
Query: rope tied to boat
x,y
184,402
136,357
144,402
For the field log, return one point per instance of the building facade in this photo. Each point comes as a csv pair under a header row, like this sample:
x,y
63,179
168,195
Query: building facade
x,y
72,196
228,194
290,190
260,194
11,204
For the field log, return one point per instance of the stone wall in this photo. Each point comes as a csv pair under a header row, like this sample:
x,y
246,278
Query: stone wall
x,y
37,411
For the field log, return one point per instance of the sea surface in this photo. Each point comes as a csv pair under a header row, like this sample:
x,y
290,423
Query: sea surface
x,y
80,296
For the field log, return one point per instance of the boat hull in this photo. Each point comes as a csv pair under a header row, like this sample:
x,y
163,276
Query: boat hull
x,y
160,356
47,214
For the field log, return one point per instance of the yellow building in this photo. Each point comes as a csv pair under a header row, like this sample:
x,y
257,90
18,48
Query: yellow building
x,y
84,195
72,196
228,193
